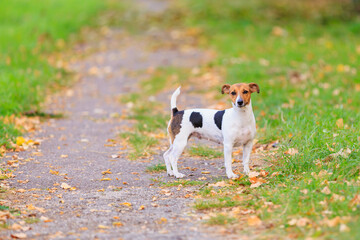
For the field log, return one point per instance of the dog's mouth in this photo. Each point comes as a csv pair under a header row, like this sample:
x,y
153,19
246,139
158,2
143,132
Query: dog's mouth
x,y
241,106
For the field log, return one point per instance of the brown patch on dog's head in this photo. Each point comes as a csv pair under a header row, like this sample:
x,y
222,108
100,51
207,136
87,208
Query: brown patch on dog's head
x,y
175,125
240,93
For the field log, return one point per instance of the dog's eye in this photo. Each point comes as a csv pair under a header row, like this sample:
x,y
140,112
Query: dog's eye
x,y
245,92
233,93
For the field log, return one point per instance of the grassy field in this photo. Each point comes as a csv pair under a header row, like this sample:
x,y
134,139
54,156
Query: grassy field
x,y
305,56
30,31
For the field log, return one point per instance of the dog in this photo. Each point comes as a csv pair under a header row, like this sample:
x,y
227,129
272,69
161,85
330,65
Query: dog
x,y
232,127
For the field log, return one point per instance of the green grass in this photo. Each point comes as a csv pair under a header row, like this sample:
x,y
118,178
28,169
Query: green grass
x,y
181,182
204,151
141,145
220,219
31,220
156,168
305,58
220,202
30,32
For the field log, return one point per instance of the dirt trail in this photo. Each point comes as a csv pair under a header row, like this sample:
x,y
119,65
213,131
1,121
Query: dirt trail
x,y
77,147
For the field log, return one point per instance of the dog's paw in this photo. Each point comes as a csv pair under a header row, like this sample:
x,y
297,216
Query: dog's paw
x,y
232,175
179,175
246,170
170,173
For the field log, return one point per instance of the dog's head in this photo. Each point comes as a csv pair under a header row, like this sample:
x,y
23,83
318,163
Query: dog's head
x,y
240,93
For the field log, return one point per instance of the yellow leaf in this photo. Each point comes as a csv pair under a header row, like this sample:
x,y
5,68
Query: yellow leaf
x,y
205,172
117,224
162,220
64,156
20,141
103,227
54,172
142,207
106,172
105,179
126,204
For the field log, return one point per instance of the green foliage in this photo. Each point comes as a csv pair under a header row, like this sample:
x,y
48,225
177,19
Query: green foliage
x,y
156,168
29,32
220,219
140,143
305,56
181,182
204,151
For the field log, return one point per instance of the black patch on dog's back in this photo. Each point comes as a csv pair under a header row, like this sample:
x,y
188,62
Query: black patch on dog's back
x,y
175,124
196,119
174,110
218,117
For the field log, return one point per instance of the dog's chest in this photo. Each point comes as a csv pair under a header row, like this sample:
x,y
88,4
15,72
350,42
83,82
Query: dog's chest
x,y
243,135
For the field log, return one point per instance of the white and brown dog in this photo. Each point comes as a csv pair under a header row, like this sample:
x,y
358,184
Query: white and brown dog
x,y
232,127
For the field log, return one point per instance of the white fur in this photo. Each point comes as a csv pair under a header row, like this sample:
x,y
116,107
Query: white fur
x,y
238,129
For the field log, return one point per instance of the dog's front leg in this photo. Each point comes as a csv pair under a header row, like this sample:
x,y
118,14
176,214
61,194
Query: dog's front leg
x,y
228,147
246,156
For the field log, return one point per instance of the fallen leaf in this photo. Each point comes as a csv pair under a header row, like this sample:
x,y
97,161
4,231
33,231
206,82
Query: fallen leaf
x,y
205,172
142,207
54,172
253,174
340,123
18,235
333,222
254,221
344,228
117,224
65,186
106,172
292,151
326,190
304,191
105,179
20,141
64,156
162,220
219,184
302,222
356,200
103,227
126,204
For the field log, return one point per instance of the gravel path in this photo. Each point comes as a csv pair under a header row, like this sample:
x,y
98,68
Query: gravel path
x,y
76,153
76,150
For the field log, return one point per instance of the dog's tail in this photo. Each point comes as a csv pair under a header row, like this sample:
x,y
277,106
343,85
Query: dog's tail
x,y
173,101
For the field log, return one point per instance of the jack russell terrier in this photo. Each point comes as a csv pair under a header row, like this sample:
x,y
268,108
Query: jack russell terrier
x,y
232,127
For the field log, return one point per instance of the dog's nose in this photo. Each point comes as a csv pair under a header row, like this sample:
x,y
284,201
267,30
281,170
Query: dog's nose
x,y
240,102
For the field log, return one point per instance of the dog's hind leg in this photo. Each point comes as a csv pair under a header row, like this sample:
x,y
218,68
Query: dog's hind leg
x,y
167,161
177,149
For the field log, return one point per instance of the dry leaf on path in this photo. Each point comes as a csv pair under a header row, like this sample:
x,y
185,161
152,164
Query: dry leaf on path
x,y
254,221
65,186
18,235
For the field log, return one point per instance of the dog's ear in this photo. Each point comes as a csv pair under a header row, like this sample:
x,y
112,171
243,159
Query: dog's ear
x,y
225,89
254,88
